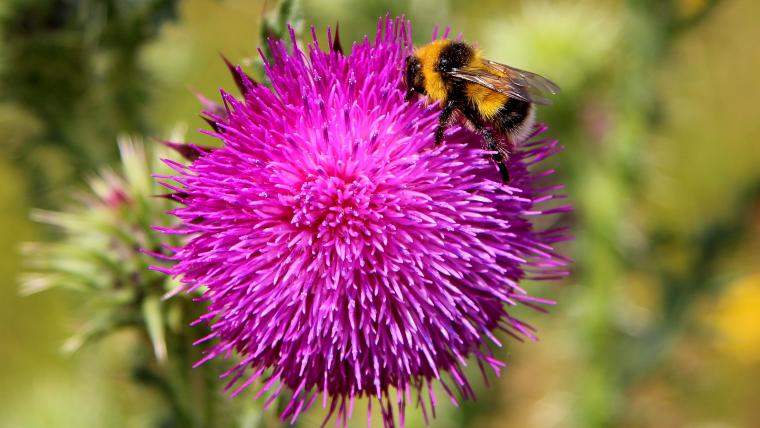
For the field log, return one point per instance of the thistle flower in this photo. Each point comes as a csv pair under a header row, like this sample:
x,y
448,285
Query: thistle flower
x,y
99,252
340,252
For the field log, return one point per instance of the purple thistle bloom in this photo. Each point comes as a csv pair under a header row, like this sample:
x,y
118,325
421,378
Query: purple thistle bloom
x,y
342,253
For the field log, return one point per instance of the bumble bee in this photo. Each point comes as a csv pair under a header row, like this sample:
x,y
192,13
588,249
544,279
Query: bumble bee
x,y
494,99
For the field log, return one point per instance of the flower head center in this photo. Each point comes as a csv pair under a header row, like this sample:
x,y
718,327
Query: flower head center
x,y
335,206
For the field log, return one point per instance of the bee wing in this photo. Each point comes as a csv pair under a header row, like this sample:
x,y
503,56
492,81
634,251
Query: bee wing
x,y
513,82
525,78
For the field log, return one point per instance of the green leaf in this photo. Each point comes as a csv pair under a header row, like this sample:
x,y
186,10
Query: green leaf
x,y
154,323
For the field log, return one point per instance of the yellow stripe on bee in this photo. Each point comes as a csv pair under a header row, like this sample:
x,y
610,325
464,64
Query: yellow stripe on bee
x,y
428,56
487,101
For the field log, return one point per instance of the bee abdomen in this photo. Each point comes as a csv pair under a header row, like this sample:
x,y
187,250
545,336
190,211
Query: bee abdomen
x,y
515,119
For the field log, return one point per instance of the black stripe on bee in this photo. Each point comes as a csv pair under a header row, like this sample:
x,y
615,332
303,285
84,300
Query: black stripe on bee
x,y
454,55
512,114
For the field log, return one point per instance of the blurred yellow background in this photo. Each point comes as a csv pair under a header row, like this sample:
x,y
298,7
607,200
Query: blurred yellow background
x,y
658,327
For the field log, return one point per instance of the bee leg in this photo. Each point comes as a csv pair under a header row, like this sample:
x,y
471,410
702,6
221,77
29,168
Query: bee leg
x,y
443,120
491,145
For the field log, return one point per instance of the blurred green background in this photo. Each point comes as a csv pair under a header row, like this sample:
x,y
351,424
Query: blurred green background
x,y
659,324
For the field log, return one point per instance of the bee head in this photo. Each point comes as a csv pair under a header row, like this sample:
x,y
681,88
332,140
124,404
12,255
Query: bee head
x,y
413,78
